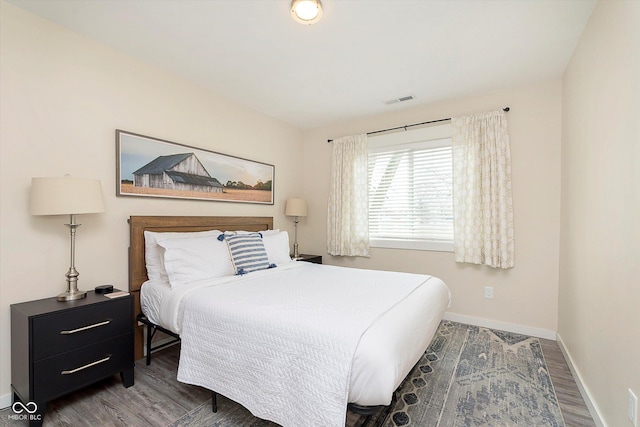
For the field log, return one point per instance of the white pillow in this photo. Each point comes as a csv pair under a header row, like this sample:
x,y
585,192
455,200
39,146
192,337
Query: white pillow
x,y
187,260
277,247
154,254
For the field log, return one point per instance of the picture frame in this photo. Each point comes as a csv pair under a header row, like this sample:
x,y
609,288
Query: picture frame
x,y
153,167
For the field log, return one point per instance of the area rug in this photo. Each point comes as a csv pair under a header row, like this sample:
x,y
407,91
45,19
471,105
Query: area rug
x,y
469,376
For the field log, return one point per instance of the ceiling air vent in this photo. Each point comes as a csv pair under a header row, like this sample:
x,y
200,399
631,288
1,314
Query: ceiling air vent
x,y
402,99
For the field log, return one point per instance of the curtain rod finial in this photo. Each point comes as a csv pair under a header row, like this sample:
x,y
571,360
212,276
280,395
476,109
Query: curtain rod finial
x,y
506,109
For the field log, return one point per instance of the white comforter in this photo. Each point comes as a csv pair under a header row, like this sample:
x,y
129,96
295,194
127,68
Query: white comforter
x,y
281,342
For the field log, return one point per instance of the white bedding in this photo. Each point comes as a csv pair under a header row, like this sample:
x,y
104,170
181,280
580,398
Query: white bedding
x,y
386,351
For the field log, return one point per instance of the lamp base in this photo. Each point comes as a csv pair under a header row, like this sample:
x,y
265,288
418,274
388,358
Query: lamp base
x,y
72,295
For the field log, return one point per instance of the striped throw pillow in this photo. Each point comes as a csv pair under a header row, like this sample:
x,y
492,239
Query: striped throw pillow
x,y
247,252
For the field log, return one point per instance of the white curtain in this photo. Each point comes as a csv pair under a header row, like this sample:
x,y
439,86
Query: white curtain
x,y
483,210
348,211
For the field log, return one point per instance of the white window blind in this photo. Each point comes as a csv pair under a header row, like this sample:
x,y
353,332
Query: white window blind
x,y
410,195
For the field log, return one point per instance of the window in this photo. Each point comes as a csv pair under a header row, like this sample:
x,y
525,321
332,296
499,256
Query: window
x,y
410,190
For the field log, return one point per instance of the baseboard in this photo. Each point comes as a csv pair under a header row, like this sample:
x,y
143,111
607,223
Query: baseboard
x,y
584,391
5,400
502,326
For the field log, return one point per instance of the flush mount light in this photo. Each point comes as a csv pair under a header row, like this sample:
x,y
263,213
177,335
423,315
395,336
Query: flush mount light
x,y
306,11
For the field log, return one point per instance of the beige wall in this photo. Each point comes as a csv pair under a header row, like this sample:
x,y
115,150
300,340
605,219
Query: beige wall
x,y
62,97
599,301
526,295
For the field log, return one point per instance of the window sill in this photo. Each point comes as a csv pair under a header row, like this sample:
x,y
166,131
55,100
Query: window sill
x,y
419,245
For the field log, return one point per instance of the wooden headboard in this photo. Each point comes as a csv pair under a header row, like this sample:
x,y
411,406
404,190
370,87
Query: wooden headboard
x,y
139,224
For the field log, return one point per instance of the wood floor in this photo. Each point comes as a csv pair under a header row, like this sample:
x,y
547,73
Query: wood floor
x,y
157,399
574,410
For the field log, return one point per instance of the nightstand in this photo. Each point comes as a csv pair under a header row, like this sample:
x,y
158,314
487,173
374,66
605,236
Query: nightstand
x,y
316,259
59,347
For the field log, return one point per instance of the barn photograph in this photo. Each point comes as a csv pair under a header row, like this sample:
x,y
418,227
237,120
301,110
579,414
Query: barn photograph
x,y
176,172
153,167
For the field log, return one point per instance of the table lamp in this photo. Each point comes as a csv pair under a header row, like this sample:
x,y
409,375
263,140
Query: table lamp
x,y
67,196
296,208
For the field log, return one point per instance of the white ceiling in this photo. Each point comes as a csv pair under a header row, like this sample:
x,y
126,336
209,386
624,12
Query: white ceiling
x,y
359,55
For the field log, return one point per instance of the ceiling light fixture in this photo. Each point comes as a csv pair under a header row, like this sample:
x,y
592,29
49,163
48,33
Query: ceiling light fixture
x,y
306,11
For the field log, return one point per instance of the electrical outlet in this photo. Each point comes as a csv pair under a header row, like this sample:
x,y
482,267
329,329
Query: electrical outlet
x,y
633,408
488,292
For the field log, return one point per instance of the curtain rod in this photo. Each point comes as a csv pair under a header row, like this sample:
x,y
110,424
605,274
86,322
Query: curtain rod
x,y
505,109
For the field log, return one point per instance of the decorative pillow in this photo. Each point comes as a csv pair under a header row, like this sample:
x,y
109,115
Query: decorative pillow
x,y
277,247
154,254
247,252
187,260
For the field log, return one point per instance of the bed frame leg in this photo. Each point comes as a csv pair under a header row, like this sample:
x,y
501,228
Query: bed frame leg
x,y
151,331
367,411
214,401
149,336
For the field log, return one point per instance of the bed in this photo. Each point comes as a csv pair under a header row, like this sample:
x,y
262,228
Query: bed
x,y
246,337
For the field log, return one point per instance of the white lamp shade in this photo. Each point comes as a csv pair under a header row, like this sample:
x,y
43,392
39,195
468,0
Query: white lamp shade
x,y
296,207
65,196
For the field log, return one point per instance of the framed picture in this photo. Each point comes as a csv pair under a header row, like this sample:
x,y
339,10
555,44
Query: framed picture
x,y
152,167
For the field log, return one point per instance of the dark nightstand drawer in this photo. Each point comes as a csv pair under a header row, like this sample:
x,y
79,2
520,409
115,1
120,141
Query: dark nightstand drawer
x,y
59,347
56,376
60,332
316,259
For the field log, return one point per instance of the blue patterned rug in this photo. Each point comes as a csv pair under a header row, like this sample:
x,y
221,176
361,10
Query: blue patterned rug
x,y
469,376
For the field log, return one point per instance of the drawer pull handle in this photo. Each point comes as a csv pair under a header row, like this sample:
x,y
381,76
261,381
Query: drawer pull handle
x,y
88,365
84,328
